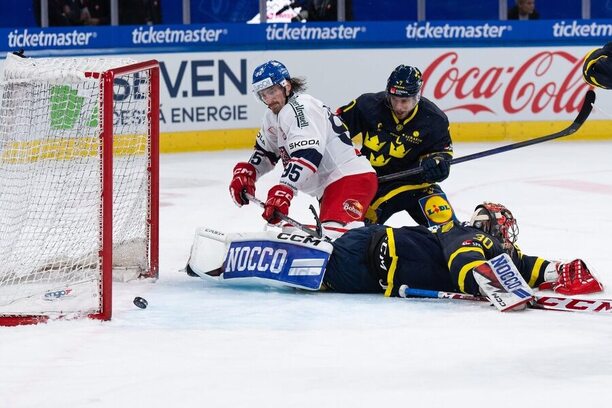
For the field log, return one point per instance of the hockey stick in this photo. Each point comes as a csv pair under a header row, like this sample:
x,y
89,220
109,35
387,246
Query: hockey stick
x,y
405,291
560,303
585,111
317,233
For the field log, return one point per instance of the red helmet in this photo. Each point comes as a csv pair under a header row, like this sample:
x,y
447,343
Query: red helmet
x,y
496,220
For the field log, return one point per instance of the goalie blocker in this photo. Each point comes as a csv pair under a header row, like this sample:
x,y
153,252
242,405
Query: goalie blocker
x,y
501,282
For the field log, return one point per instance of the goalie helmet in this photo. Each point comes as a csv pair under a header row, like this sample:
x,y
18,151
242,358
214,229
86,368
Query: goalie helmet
x,y
269,74
496,220
404,81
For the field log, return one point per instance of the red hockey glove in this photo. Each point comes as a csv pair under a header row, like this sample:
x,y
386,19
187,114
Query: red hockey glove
x,y
244,179
574,279
279,200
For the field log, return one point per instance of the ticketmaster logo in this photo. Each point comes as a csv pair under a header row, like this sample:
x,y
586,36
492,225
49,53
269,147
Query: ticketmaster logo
x,y
150,35
276,32
449,31
582,30
25,39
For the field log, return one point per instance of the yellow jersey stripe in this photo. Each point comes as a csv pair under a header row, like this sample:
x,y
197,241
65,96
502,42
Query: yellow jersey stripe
x,y
391,273
594,82
535,272
350,106
464,271
594,61
463,250
395,192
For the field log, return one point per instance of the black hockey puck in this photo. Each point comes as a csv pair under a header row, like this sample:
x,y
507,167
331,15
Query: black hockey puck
x,y
141,302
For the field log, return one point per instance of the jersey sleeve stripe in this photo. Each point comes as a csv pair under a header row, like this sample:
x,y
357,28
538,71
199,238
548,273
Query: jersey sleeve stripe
x,y
271,156
392,254
306,164
589,61
347,107
464,271
535,271
463,250
381,200
311,155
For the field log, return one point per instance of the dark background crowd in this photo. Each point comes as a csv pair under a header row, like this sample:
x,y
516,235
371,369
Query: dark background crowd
x,y
98,12
20,13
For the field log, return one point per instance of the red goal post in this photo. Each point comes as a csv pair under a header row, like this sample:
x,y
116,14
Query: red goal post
x,y
79,184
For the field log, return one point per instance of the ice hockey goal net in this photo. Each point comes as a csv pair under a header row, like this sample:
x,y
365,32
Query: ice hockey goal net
x,y
79,148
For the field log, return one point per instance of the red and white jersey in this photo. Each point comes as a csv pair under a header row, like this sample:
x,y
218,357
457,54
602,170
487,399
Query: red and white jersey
x,y
312,143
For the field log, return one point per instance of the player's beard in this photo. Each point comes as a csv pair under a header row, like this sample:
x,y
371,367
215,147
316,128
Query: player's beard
x,y
275,107
401,115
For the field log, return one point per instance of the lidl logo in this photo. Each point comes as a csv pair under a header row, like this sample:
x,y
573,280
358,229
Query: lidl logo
x,y
437,209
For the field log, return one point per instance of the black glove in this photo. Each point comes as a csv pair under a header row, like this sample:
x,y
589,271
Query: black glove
x,y
435,168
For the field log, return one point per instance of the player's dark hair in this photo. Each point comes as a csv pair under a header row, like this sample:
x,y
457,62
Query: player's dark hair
x,y
298,84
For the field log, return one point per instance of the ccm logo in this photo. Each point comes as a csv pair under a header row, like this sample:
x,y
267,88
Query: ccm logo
x,y
299,238
498,299
243,171
281,193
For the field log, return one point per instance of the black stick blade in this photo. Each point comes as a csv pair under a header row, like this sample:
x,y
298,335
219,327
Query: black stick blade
x,y
587,107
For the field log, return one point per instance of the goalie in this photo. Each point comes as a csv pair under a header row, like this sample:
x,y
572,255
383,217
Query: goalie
x,y
479,257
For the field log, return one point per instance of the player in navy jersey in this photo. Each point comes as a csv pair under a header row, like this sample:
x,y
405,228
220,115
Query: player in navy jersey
x,y
401,130
379,259
597,68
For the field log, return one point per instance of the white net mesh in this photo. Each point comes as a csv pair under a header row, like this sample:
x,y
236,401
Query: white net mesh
x,y
50,184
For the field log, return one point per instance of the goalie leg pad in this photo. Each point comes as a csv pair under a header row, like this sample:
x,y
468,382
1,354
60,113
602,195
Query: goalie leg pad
x,y
500,281
272,258
208,252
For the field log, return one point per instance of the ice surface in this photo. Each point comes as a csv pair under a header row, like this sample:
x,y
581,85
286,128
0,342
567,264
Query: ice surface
x,y
204,345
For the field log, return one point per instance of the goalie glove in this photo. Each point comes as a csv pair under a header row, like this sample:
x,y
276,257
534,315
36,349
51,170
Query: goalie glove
x,y
243,180
574,279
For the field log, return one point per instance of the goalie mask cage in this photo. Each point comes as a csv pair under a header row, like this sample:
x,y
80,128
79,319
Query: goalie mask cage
x,y
79,160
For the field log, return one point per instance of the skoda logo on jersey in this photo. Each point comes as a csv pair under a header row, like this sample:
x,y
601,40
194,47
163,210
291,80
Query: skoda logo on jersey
x,y
436,209
303,143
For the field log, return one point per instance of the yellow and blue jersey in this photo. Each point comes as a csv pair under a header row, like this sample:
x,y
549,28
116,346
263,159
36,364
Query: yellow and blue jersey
x,y
381,259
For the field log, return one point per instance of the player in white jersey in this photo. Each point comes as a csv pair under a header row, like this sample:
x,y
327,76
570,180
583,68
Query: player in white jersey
x,y
317,154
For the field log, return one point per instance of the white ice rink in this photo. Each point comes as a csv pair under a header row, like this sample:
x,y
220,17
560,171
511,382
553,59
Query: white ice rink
x,y
203,345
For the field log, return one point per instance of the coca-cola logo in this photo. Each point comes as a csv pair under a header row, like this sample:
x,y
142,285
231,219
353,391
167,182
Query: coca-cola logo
x,y
547,80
